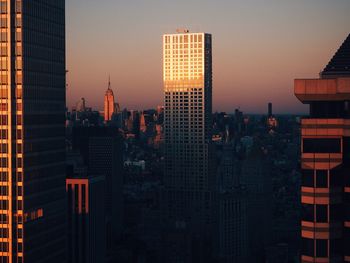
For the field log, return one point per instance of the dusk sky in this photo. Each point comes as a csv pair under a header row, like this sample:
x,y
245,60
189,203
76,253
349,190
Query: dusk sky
x,y
259,48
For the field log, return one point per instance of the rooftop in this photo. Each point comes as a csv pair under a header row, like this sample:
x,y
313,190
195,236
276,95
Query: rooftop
x,y
339,65
335,89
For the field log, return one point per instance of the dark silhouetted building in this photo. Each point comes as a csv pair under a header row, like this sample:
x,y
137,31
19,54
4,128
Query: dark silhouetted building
x,y
339,65
269,113
102,152
86,219
325,162
230,211
86,215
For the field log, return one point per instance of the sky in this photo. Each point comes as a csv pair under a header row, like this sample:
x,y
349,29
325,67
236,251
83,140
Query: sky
x,y
259,48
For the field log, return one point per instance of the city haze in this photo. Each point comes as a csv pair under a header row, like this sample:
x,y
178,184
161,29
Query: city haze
x,y
259,48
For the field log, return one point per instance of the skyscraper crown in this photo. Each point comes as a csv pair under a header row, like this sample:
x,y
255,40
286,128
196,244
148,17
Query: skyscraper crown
x,y
339,65
109,91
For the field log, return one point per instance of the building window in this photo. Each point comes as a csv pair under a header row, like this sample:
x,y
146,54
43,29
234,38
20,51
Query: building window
x,y
321,248
3,219
347,239
322,213
321,145
307,247
3,10
4,233
4,247
3,162
321,178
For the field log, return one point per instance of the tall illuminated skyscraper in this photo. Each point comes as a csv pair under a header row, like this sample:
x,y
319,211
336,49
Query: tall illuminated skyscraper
x,y
325,160
187,75
109,103
32,129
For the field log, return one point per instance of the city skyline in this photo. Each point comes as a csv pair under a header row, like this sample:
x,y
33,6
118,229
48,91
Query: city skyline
x,y
275,37
172,131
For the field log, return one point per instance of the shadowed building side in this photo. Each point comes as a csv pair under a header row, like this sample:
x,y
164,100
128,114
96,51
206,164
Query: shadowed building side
x,y
86,219
102,152
32,124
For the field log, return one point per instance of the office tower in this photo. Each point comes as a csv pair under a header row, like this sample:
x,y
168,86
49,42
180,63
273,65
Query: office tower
x,y
32,123
269,114
86,215
81,105
109,103
143,125
158,140
136,124
239,121
188,178
272,122
232,240
325,162
231,215
101,148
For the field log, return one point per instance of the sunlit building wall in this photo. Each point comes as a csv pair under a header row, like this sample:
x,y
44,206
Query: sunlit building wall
x,y
109,104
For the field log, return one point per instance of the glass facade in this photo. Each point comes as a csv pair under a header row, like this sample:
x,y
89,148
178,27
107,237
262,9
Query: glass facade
x,y
32,147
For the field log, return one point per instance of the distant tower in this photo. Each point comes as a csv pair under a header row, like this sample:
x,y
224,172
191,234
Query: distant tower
x,y
270,109
143,126
272,122
109,104
81,105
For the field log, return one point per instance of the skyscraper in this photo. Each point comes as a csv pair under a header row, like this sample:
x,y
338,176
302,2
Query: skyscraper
x,y
32,123
187,75
86,221
269,110
102,152
86,215
231,205
325,160
109,103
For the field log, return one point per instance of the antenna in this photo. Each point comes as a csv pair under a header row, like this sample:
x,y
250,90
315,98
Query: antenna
x,y
182,30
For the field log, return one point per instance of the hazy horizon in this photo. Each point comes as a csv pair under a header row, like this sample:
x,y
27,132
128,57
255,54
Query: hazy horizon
x,y
258,48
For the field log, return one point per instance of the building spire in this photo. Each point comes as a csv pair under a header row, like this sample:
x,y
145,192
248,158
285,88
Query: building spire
x,y
109,81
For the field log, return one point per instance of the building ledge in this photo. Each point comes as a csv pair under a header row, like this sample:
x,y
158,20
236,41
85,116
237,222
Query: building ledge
x,y
308,90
